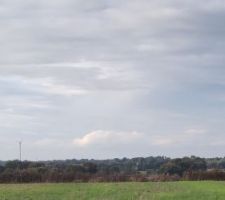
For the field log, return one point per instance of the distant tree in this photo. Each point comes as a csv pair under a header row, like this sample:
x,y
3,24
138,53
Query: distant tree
x,y
90,167
14,164
181,165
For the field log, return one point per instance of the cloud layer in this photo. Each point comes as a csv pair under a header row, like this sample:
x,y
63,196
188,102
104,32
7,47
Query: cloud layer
x,y
95,70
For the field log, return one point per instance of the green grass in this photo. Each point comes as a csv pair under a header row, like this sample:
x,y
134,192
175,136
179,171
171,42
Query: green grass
x,y
115,191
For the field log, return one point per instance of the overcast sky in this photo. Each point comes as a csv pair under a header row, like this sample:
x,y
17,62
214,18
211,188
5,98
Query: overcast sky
x,y
112,78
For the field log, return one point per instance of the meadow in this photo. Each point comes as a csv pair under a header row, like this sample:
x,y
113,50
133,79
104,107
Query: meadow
x,y
207,190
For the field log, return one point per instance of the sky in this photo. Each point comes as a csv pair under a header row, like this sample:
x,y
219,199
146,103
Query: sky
x,y
112,78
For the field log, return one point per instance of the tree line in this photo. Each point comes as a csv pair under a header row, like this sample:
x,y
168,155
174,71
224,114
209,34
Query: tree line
x,y
136,169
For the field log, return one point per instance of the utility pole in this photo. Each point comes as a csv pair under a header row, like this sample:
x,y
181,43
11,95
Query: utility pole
x,y
20,161
20,150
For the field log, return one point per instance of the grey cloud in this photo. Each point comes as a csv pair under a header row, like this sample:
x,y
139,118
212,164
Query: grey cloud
x,y
69,67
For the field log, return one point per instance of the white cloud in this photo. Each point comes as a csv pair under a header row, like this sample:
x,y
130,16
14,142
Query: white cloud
x,y
195,131
107,137
178,139
51,87
45,85
162,141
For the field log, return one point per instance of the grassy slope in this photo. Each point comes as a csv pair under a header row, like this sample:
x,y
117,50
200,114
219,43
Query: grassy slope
x,y
117,191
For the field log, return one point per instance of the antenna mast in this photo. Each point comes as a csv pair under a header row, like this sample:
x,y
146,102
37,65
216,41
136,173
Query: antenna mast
x,y
20,148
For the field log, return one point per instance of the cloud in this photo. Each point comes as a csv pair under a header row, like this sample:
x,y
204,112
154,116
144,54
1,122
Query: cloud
x,y
107,138
184,137
69,66
38,86
49,142
103,137
163,141
195,132
59,89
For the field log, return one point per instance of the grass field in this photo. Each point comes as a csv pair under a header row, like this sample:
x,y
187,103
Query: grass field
x,y
117,191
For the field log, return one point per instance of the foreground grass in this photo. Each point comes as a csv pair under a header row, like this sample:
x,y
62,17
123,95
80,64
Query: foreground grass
x,y
115,191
